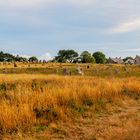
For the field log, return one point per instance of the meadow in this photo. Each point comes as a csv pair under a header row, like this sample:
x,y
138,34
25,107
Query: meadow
x,y
101,70
38,102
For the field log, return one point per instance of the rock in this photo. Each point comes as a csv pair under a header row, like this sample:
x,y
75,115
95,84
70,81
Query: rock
x,y
4,71
88,67
79,71
65,71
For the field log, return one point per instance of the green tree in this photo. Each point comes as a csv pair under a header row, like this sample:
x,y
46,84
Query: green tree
x,y
33,59
8,57
99,57
86,57
20,59
66,55
1,56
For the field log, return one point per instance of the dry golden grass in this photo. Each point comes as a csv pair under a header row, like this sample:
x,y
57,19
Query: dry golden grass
x,y
36,100
32,101
57,68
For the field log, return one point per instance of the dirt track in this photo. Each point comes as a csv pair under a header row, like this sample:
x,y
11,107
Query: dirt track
x,y
121,124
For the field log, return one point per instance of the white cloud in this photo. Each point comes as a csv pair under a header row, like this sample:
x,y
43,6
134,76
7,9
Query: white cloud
x,y
131,50
23,55
46,56
81,2
37,3
24,3
128,26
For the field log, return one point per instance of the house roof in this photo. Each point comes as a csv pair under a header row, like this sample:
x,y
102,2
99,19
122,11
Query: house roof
x,y
117,60
129,61
137,57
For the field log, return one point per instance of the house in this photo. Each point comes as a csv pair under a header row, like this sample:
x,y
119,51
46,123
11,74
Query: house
x,y
137,60
130,61
115,60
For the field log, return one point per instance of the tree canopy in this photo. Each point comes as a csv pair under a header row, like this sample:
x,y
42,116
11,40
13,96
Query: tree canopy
x,y
86,57
33,59
66,56
99,57
6,57
63,56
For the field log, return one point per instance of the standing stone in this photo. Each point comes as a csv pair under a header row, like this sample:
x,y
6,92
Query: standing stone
x,y
15,65
56,71
79,71
65,71
4,71
88,67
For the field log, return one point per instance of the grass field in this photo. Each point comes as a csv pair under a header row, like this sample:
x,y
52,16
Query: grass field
x,y
57,68
36,102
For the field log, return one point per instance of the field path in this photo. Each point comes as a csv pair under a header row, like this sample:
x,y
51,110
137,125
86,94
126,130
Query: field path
x,y
121,124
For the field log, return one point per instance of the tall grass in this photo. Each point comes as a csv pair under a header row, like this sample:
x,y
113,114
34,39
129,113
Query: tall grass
x,y
28,100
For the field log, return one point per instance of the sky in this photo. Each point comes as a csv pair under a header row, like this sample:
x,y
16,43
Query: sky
x,y
43,27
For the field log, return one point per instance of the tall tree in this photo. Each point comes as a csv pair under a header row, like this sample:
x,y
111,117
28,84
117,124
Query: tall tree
x,y
86,57
6,57
66,56
33,59
1,56
20,59
99,57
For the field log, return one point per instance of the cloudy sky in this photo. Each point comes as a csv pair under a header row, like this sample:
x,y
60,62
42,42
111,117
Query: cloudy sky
x,y
42,27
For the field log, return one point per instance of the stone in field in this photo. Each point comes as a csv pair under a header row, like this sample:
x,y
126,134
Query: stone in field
x,y
79,71
65,71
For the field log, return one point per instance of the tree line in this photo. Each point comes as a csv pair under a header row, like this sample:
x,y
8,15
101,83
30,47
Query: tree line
x,y
72,56
7,57
63,56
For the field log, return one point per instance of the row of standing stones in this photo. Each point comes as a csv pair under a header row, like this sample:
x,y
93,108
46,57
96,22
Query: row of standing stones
x,y
67,71
79,71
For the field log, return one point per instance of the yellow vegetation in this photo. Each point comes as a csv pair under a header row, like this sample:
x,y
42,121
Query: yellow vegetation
x,y
28,100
